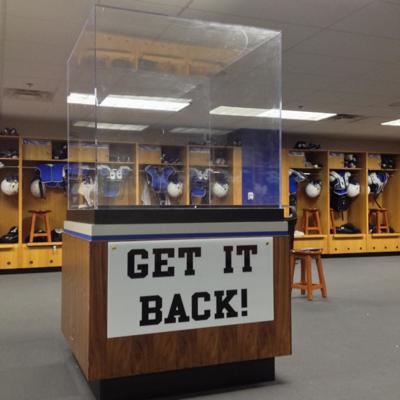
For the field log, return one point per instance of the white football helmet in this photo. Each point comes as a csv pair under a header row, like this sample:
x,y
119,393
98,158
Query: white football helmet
x,y
353,189
313,189
38,189
9,186
175,189
220,190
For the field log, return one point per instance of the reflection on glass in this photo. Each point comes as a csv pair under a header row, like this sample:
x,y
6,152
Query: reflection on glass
x,y
165,112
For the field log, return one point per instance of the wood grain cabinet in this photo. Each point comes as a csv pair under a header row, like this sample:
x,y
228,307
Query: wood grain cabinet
x,y
84,323
8,257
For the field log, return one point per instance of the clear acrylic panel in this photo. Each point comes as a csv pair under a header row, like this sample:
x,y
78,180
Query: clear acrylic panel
x,y
176,112
81,102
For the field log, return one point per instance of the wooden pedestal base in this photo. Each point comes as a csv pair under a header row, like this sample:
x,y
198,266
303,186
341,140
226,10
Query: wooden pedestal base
x,y
84,324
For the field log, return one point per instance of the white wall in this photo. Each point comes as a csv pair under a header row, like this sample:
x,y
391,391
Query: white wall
x,y
58,130
37,128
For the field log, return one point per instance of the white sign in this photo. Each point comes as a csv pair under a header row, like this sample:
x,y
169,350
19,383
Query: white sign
x,y
174,285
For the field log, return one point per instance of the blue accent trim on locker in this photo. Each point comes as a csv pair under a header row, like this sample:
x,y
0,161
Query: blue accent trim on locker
x,y
111,238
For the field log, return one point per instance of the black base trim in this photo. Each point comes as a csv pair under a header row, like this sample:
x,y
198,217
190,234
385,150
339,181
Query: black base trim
x,y
145,215
185,382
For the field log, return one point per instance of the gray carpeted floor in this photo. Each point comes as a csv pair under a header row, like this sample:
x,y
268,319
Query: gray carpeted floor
x,y
346,347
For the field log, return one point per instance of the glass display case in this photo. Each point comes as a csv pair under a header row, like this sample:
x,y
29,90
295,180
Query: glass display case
x,y
165,111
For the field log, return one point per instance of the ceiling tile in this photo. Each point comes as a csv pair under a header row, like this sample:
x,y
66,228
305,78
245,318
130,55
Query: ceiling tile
x,y
291,34
51,9
324,65
296,86
293,98
58,33
351,45
338,101
52,110
321,13
129,4
292,125
35,68
384,72
365,86
29,52
391,1
161,7
378,18
304,81
339,70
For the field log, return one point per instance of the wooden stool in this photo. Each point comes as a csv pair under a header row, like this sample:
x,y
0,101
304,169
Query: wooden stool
x,y
306,284
332,228
380,215
311,221
47,230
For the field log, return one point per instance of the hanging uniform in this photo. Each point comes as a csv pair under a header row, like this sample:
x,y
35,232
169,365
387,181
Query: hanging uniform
x,y
377,182
111,180
339,181
158,178
199,182
53,175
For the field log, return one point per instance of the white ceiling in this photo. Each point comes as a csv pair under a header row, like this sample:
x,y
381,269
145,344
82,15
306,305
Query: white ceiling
x,y
339,56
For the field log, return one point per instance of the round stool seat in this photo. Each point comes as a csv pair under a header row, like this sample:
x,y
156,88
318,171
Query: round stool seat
x,y
311,251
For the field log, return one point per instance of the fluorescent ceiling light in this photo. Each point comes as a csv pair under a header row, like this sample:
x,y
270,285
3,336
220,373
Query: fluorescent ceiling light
x,y
199,131
109,126
134,102
271,113
395,122
145,103
238,111
299,115
81,98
